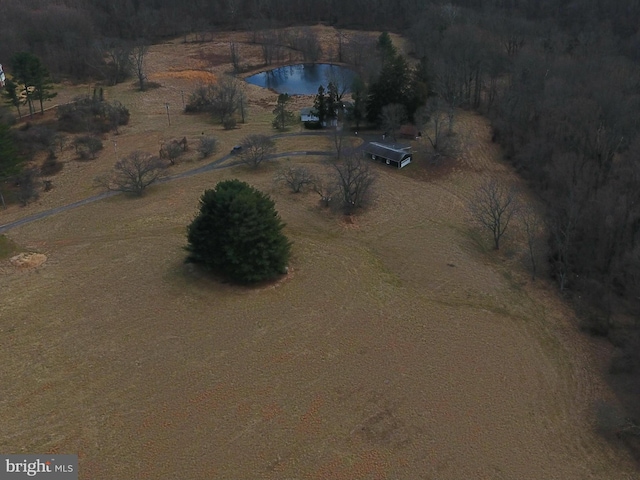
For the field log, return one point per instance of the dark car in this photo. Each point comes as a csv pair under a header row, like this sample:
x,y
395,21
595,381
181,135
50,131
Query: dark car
x,y
236,149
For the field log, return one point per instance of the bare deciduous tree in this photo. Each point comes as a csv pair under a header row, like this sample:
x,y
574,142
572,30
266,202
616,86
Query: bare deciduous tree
x,y
171,151
207,146
531,224
139,54
235,56
492,207
354,180
118,63
392,118
310,46
255,148
294,177
226,99
134,173
326,188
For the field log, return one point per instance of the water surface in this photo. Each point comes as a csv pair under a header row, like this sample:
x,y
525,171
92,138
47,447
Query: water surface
x,y
303,79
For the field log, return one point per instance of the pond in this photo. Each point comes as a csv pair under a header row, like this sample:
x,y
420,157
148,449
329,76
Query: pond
x,y
303,79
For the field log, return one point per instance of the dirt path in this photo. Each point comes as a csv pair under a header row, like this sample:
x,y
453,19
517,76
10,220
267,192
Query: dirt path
x,y
222,162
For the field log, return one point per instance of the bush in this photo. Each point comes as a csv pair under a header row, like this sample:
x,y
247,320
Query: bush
x,y
171,151
312,125
90,114
27,186
33,138
50,167
207,146
238,233
294,177
229,123
87,146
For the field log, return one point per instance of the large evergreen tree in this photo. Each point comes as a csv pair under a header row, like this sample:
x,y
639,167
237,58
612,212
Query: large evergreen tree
x,y
238,233
358,110
11,95
34,78
392,86
283,116
320,105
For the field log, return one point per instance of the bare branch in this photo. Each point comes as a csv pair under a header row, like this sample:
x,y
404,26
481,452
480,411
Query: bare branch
x,y
255,148
134,173
493,207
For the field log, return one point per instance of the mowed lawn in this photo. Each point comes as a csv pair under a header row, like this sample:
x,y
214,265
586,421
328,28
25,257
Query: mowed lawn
x,y
397,348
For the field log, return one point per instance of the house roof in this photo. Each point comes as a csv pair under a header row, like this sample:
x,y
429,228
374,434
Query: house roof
x,y
309,111
397,153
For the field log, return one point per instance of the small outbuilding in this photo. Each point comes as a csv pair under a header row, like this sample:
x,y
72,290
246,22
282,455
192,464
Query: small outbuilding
x,y
396,155
309,117
308,114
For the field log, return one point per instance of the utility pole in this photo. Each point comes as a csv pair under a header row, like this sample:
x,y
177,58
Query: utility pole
x,y
115,148
168,117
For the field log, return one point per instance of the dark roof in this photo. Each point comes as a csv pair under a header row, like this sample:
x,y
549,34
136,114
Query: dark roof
x,y
397,153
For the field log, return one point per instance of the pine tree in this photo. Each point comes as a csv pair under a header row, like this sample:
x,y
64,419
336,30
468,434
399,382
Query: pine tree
x,y
238,233
332,101
320,105
10,94
34,78
283,117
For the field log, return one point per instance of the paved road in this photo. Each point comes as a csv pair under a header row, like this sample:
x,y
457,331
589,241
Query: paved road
x,y
215,165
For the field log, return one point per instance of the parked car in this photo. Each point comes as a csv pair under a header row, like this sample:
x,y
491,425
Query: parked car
x,y
236,149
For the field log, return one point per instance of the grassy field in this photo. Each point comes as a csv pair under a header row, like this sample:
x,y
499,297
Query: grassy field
x,y
398,347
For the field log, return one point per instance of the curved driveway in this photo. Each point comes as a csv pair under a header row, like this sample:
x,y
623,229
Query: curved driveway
x,y
215,165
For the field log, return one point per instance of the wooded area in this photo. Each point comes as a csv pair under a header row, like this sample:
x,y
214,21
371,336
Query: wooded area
x,y
559,80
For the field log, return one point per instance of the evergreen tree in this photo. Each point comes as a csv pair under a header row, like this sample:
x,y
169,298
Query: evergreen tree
x,y
10,94
385,48
332,101
359,109
34,78
238,233
392,86
43,88
320,105
283,117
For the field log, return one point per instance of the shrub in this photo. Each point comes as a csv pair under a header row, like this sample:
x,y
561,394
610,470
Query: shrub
x,y
238,233
171,151
87,146
27,186
207,146
50,167
294,177
90,114
229,123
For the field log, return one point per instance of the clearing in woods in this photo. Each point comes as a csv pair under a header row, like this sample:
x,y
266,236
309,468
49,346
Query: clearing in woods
x,y
397,347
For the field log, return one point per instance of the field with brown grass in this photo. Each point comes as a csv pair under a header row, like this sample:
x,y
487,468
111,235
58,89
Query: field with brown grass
x,y
399,346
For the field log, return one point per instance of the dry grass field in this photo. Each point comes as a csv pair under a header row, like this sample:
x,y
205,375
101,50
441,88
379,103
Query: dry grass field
x,y
398,347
